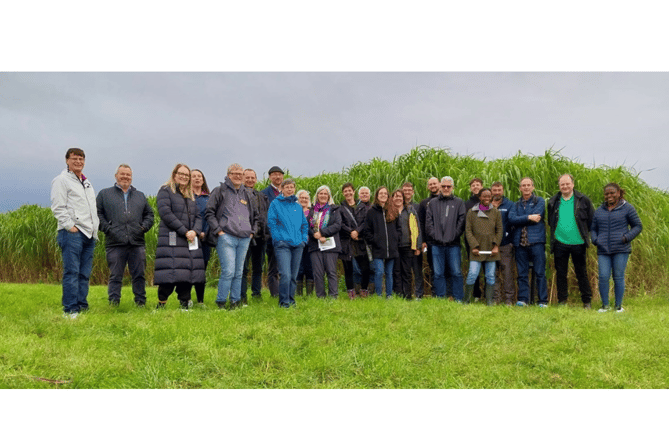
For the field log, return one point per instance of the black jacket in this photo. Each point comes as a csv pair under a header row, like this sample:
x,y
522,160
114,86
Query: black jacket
x,y
124,224
583,213
383,237
445,220
330,230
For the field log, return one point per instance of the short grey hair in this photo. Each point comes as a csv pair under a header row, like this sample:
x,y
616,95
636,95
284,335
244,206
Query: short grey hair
x,y
299,192
123,166
364,187
235,167
285,182
449,179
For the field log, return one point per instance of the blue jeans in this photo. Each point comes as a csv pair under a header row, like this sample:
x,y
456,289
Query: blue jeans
x,y
381,266
451,256
77,252
536,253
475,268
288,259
231,254
616,263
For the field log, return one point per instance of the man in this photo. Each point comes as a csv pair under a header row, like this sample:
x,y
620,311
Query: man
x,y
272,191
232,223
417,260
256,252
433,186
475,186
125,216
444,224
73,205
529,240
570,215
506,261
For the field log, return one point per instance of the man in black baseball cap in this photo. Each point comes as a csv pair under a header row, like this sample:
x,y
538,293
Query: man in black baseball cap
x,y
272,191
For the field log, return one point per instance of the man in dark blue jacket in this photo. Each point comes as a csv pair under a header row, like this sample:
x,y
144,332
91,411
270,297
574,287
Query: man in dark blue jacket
x,y
505,269
272,191
125,216
529,240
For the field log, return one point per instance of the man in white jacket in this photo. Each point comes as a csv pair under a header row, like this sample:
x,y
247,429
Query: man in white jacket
x,y
73,205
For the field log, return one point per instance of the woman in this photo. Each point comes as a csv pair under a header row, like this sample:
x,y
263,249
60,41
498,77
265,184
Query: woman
x,y
483,230
305,273
324,242
201,194
382,234
348,235
410,242
614,226
362,254
288,228
177,263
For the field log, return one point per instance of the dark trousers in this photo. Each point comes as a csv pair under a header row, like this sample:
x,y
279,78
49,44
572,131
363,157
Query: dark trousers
x,y
402,269
505,285
363,265
272,270
135,258
561,253
254,258
183,292
417,266
348,273
325,263
199,287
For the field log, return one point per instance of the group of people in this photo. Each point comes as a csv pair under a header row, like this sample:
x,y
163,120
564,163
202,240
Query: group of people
x,y
380,240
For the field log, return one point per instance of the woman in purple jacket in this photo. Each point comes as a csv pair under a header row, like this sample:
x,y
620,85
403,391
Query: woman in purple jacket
x,y
615,224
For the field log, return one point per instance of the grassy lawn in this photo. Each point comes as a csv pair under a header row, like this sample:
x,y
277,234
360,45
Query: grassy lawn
x,y
371,343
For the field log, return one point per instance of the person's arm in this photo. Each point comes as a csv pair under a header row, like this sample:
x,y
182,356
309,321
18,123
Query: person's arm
x,y
59,204
210,211
635,225
105,224
147,216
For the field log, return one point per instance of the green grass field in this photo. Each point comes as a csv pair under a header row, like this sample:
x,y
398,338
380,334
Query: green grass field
x,y
373,343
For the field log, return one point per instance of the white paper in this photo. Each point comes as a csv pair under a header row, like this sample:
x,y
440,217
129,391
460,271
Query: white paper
x,y
485,252
192,245
327,245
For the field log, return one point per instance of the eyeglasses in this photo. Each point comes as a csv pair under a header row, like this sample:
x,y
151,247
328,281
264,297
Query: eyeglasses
x,y
446,186
235,174
183,175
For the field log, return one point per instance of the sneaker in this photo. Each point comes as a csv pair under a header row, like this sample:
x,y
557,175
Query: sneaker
x,y
221,304
70,315
587,306
604,309
541,305
190,304
521,304
620,309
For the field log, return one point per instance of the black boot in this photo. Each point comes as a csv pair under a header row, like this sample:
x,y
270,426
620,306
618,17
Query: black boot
x,y
490,295
469,291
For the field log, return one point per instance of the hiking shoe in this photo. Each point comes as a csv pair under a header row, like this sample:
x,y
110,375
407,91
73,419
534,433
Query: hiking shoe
x,y
190,304
221,304
160,306
587,306
542,305
114,303
70,315
604,309
521,304
620,309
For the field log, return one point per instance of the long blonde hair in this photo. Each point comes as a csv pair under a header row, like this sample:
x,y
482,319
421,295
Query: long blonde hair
x,y
187,192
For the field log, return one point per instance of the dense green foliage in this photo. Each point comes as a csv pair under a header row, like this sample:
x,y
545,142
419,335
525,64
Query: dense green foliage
x,y
29,253
372,343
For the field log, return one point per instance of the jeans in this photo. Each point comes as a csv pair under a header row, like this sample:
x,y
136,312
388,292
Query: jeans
x,y
254,259
615,263
381,266
231,254
561,254
135,258
288,260
475,268
443,256
536,253
77,252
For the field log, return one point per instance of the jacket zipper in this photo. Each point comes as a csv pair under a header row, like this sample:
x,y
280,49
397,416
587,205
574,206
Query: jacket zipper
x,y
385,225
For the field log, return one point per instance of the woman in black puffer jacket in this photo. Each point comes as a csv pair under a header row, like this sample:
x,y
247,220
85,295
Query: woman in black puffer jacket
x,y
180,221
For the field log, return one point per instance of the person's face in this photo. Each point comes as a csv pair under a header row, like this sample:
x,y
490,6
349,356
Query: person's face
x,y
407,192
433,185
611,195
276,179
124,177
475,187
75,163
348,193
446,188
383,196
566,185
288,190
182,176
497,191
303,199
398,199
323,196
236,176
363,195
196,179
250,179
485,198
526,187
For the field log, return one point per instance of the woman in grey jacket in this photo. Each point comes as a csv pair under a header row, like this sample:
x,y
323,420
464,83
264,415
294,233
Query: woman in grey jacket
x,y
177,264
615,224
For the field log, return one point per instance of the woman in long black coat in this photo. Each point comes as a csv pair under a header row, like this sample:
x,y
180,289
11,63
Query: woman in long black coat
x,y
177,264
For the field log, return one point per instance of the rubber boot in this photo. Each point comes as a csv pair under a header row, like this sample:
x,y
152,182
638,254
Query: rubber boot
x,y
469,291
299,289
310,287
490,295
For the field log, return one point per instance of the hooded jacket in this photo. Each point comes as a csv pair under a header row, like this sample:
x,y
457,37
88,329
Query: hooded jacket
x,y
483,231
613,230
286,221
229,210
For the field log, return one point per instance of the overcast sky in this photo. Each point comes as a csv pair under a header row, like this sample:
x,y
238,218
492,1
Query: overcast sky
x,y
314,122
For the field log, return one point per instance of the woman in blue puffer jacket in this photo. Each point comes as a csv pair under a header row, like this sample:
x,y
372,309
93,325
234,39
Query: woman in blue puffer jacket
x,y
615,224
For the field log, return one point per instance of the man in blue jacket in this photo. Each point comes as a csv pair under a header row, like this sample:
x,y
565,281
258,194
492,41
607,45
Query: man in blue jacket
x,y
529,240
125,216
